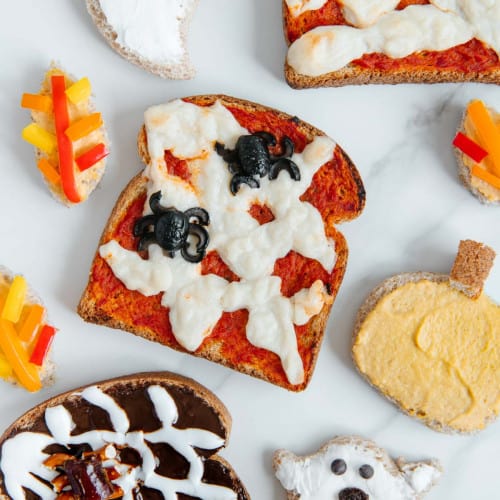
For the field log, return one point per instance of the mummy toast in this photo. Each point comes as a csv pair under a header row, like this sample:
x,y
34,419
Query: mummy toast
x,y
429,343
149,436
352,468
151,34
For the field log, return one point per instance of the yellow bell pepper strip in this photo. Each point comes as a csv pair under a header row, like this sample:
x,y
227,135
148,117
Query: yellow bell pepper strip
x,y
14,302
79,91
42,345
48,171
488,132
65,147
484,175
92,156
36,102
39,137
84,126
30,326
17,357
5,368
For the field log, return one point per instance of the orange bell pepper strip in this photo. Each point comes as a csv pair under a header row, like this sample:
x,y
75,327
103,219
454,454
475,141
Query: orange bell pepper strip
x,y
48,171
14,302
487,131
5,368
30,326
36,102
484,175
17,357
64,145
84,126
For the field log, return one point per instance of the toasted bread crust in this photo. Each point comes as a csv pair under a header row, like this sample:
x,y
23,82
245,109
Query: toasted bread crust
x,y
370,303
213,350
166,379
181,71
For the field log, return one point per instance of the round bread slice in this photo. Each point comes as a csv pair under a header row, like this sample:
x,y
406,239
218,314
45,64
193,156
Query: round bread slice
x,y
118,28
417,339
485,192
131,432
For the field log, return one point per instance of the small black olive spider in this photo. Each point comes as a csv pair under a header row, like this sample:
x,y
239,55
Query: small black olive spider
x,y
251,157
171,229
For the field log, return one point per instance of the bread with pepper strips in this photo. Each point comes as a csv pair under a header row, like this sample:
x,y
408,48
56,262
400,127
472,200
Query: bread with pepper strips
x,y
153,434
335,190
426,41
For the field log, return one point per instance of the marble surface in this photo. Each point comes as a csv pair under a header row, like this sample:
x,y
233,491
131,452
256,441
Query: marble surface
x,y
416,213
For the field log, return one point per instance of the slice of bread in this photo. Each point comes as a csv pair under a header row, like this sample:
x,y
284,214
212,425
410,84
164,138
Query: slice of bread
x,y
336,191
347,465
156,419
471,59
414,363
152,37
46,372
484,191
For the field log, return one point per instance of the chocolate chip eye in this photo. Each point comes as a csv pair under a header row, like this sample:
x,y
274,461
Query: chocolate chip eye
x,y
366,471
338,467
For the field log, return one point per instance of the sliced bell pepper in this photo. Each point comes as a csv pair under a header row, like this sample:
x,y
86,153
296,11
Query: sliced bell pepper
x,y
39,137
84,126
49,172
79,91
65,147
30,326
14,302
42,345
488,132
484,175
17,357
5,368
469,147
92,156
36,102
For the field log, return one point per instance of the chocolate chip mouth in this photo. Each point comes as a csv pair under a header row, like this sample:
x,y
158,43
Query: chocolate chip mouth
x,y
353,494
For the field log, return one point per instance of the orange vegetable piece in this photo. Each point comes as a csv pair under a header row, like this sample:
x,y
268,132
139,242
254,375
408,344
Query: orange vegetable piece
x,y
14,302
489,134
484,175
49,172
5,368
37,102
84,126
30,326
17,357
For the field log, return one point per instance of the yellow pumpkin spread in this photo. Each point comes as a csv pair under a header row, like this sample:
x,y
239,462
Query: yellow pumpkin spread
x,y
436,353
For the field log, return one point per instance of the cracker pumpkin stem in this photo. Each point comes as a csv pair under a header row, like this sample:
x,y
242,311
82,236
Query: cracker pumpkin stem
x,y
471,268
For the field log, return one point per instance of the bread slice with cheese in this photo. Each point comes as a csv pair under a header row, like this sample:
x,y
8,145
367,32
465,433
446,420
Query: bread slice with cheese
x,y
259,300
334,43
154,434
151,35
422,339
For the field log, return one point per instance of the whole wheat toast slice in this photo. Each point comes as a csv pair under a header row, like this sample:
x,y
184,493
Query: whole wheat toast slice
x,y
473,59
117,410
336,189
471,267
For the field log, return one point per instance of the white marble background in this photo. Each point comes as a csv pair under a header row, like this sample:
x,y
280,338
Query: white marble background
x,y
416,213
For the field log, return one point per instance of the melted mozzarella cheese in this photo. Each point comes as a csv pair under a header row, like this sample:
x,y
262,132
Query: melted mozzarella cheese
x,y
298,7
250,250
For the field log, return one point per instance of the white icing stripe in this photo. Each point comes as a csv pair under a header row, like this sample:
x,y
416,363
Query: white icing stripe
x,y
442,25
249,249
298,7
22,455
150,28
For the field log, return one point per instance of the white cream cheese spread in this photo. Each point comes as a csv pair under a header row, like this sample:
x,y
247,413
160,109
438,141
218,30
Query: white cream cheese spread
x,y
23,456
149,28
441,25
250,250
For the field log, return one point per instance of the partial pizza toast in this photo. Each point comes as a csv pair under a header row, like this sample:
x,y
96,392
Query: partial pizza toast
x,y
336,189
117,427
465,57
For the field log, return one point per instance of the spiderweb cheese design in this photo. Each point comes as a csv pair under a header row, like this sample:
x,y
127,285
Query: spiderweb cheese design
x,y
23,456
379,28
250,250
